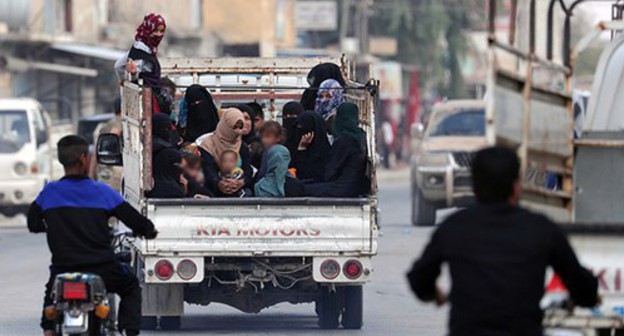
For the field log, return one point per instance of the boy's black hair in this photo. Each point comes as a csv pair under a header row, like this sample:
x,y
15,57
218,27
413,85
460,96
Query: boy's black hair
x,y
70,149
166,82
257,109
495,170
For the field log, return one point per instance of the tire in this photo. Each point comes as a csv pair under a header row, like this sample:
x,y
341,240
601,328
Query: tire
x,y
423,211
328,308
149,322
352,317
170,322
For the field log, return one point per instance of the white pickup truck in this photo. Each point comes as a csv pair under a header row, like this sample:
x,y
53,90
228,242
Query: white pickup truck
x,y
247,253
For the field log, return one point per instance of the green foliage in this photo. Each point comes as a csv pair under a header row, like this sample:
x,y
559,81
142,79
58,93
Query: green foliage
x,y
431,34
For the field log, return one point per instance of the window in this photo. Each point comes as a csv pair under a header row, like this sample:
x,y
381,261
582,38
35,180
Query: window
x,y
15,130
463,123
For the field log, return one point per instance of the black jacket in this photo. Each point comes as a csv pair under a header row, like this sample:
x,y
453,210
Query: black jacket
x,y
344,172
74,212
498,255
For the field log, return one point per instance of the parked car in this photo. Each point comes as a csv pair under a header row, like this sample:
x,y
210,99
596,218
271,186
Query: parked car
x,y
442,155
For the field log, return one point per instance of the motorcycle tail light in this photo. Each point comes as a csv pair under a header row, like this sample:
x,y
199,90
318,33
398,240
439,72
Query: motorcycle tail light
x,y
330,269
187,269
164,270
352,269
75,291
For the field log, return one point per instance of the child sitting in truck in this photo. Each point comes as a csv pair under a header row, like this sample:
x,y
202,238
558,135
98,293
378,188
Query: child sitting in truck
x,y
271,134
231,171
277,181
191,166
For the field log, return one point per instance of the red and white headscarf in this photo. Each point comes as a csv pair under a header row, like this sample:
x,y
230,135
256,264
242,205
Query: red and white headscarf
x,y
146,28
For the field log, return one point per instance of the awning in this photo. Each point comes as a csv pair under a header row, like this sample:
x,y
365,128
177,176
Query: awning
x,y
17,64
89,51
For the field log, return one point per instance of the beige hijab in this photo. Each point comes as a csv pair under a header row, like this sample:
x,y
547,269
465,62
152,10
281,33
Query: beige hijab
x,y
224,137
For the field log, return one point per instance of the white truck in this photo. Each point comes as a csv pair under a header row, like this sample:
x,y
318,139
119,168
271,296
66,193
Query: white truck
x,y
246,253
27,153
577,182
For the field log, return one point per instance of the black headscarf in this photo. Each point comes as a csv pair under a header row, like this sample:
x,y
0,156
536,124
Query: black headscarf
x,y
252,136
167,171
162,133
317,154
202,112
256,110
316,76
291,109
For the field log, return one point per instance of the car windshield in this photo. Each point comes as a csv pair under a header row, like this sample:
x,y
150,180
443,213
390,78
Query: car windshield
x,y
464,123
15,131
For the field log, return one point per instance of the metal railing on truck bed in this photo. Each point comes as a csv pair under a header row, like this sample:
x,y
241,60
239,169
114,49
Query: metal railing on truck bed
x,y
235,79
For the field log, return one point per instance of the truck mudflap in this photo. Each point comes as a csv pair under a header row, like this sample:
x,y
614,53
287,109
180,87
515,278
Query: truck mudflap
x,y
262,227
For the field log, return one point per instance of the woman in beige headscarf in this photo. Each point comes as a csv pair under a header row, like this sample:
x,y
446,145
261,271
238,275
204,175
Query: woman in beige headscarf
x,y
227,137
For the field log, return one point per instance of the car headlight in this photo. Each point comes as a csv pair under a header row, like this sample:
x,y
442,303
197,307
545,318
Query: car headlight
x,y
20,168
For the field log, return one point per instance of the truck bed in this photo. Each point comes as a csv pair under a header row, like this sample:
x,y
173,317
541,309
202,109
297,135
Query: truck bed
x,y
267,227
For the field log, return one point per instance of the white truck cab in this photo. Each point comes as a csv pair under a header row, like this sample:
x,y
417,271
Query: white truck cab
x,y
26,153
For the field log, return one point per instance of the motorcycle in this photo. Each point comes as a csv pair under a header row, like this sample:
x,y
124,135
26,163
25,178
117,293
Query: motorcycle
x,y
82,306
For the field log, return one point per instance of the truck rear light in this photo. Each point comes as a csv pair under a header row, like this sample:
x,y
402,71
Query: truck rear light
x,y
186,269
352,269
330,269
164,270
75,291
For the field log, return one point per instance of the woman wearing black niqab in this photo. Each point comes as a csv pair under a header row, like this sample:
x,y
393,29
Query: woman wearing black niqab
x,y
291,111
310,162
316,76
203,116
167,173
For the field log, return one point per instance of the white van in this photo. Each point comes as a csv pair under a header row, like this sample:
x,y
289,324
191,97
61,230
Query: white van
x,y
27,154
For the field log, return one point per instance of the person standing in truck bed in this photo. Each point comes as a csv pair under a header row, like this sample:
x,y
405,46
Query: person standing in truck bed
x,y
498,254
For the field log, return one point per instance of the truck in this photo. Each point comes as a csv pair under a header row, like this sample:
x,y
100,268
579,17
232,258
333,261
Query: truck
x,y
441,158
530,108
249,253
27,153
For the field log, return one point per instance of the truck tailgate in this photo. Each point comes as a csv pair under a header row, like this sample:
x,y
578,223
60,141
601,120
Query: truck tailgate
x,y
262,227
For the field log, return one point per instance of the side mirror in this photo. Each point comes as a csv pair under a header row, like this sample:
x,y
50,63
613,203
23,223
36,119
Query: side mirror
x,y
42,137
108,150
418,131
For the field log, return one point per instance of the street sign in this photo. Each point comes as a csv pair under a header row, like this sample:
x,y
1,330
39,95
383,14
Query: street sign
x,y
316,15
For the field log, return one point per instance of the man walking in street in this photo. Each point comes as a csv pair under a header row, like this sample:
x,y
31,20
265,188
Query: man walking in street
x,y
498,254
74,213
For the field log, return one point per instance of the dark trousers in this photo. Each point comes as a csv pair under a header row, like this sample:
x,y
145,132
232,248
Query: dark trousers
x,y
118,279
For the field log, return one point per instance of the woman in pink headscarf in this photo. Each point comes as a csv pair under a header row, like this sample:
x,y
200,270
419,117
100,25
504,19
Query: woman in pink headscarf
x,y
141,62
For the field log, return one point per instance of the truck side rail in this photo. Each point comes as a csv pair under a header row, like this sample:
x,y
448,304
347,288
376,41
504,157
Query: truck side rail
x,y
263,201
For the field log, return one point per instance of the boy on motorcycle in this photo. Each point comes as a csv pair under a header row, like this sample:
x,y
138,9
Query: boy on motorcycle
x,y
74,213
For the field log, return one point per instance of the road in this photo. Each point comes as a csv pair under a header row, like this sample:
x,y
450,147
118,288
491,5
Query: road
x,y
390,308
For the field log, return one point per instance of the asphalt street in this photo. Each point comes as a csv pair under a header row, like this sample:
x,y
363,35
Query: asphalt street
x,y
390,308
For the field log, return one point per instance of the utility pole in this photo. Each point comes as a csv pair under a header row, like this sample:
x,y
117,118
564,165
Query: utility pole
x,y
363,33
344,22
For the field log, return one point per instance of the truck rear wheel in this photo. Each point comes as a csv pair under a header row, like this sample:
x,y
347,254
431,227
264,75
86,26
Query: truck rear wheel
x,y
170,322
352,317
328,308
423,211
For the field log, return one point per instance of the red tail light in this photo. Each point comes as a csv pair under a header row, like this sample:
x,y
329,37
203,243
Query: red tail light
x,y
556,285
330,269
352,269
75,291
164,270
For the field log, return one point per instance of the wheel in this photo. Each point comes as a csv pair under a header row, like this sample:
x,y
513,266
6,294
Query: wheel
x,y
149,322
352,317
423,211
170,322
329,308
